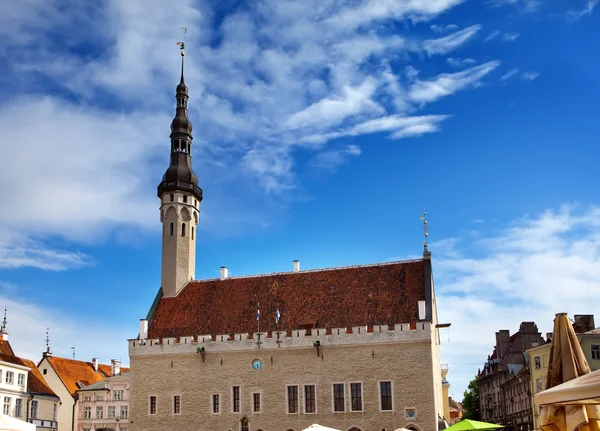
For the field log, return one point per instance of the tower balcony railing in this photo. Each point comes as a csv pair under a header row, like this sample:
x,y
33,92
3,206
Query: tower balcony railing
x,y
179,185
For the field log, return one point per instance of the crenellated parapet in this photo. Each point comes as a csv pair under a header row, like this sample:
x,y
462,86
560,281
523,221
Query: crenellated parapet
x,y
293,339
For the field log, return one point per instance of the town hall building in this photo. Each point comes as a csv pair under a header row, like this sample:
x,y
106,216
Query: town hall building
x,y
352,348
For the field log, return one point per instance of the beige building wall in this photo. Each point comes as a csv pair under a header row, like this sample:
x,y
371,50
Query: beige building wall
x,y
65,408
590,344
47,413
538,371
408,365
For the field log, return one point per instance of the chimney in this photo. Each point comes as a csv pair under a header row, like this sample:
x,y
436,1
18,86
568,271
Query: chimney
x,y
548,336
421,310
583,323
95,364
143,329
296,266
502,342
115,367
224,272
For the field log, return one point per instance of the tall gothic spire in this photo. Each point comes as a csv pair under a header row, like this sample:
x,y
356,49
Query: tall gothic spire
x,y
179,174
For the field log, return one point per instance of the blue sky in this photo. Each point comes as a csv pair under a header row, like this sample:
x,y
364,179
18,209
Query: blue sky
x,y
322,130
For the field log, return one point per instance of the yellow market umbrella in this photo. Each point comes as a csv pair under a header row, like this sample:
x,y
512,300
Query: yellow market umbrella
x,y
567,362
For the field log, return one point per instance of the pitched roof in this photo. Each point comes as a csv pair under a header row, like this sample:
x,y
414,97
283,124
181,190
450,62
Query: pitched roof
x,y
72,372
35,381
595,331
378,294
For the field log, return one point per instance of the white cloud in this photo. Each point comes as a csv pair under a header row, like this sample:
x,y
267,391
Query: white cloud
x,y
269,78
575,15
509,74
517,274
530,76
369,11
440,29
460,62
524,6
448,83
27,325
493,35
510,37
449,43
330,160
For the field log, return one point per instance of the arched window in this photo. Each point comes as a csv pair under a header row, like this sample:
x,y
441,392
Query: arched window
x,y
171,229
182,229
192,232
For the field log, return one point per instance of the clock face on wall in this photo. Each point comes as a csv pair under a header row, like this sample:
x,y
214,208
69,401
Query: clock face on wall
x,y
257,364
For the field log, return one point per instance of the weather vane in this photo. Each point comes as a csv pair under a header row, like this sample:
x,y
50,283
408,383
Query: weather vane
x,y
47,339
425,229
73,348
181,43
4,322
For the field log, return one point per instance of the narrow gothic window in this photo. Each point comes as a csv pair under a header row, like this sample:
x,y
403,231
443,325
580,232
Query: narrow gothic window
x,y
172,227
182,229
192,232
172,197
188,148
184,199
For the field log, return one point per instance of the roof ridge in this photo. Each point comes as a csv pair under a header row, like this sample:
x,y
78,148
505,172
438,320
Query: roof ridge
x,y
334,268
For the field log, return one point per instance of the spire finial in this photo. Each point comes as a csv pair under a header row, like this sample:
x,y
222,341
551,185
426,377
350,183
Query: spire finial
x,y
73,349
47,339
425,231
181,44
3,329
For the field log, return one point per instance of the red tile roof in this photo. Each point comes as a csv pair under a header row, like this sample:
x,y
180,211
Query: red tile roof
x,y
35,382
330,298
72,371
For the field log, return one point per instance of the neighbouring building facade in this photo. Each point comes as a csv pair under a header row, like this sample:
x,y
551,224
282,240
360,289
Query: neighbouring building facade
x,y
105,405
24,393
65,377
539,357
351,347
507,369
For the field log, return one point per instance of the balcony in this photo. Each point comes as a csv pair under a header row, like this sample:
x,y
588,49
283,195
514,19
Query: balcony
x,y
44,423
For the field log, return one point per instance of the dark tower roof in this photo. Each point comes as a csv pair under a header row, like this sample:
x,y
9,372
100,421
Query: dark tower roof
x,y
180,175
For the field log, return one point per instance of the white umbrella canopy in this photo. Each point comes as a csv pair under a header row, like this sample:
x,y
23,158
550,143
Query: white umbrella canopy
x,y
8,423
317,427
584,390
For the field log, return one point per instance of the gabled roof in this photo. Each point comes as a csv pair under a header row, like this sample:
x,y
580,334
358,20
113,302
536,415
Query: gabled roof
x,y
378,294
35,381
76,374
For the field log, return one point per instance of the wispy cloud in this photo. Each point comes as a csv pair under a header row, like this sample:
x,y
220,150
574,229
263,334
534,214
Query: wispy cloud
x,y
494,34
330,160
460,62
525,6
440,29
510,37
575,15
519,274
530,76
268,78
449,83
506,37
509,74
449,43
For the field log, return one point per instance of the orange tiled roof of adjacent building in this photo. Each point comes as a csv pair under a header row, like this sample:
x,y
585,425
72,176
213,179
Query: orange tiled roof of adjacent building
x,y
72,371
35,382
330,298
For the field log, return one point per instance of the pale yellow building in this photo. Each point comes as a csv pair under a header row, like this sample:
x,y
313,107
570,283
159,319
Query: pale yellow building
x,y
590,344
538,369
354,348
